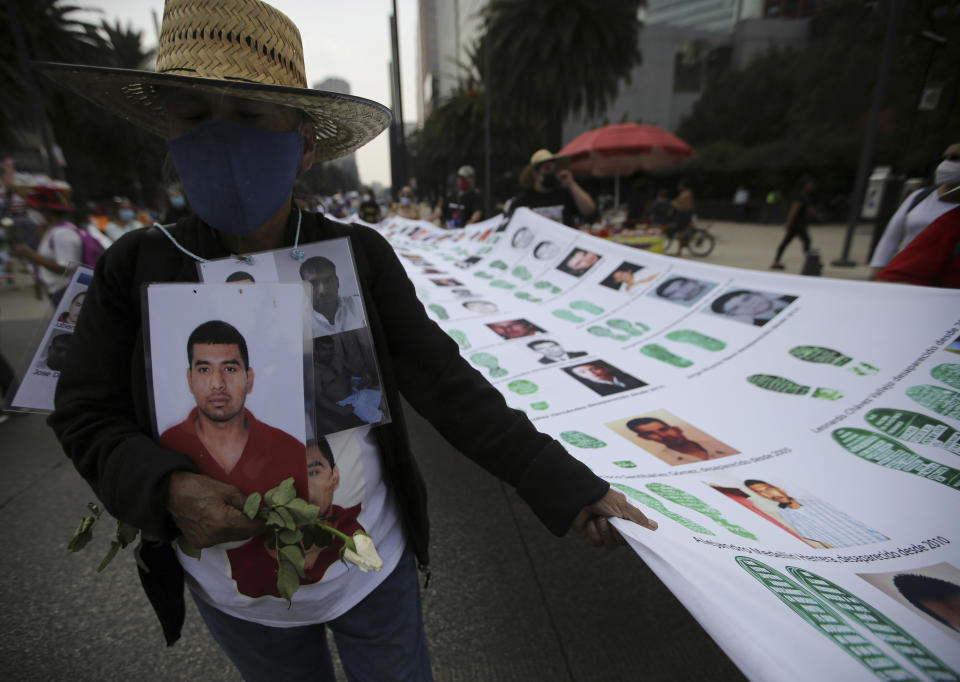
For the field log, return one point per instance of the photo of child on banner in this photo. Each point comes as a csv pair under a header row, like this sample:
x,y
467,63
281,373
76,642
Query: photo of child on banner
x,y
36,390
345,378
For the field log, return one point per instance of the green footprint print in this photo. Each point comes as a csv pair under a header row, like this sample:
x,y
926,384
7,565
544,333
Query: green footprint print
x,y
527,296
603,332
439,311
499,265
626,464
940,400
655,504
777,384
828,356
886,452
460,338
503,284
542,285
482,275
567,315
520,272
697,339
490,363
578,439
625,326
658,352
523,387
587,307
948,373
913,427
690,501
540,405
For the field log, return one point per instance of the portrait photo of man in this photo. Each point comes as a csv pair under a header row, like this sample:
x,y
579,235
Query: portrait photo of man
x,y
481,307
251,562
578,262
514,329
818,523
332,312
671,439
550,351
347,387
749,306
603,378
682,290
220,434
240,277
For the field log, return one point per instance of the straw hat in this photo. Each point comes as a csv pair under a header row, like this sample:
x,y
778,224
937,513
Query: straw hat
x,y
538,157
239,48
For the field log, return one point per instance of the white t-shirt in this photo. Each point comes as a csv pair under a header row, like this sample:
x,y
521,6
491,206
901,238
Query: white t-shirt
x,y
343,586
349,316
904,225
62,244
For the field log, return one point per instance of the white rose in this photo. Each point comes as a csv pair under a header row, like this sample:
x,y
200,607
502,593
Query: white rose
x,y
361,553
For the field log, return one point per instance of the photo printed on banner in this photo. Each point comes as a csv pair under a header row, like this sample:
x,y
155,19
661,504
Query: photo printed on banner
x,y
684,291
749,306
669,438
579,262
551,351
603,378
932,592
515,329
811,520
626,277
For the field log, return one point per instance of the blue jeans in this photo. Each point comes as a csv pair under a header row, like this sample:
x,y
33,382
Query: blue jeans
x,y
380,639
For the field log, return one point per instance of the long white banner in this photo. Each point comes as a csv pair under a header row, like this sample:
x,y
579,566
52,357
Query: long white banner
x,y
795,438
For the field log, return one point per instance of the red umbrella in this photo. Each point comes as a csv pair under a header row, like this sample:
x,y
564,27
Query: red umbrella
x,y
625,148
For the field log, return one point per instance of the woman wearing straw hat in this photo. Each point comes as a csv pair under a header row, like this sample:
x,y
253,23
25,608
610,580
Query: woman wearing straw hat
x,y
230,97
550,190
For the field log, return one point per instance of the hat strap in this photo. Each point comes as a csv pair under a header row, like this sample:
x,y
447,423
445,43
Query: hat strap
x,y
295,253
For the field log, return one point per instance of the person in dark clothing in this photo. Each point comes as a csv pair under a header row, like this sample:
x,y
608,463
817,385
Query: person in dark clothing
x,y
797,219
463,207
551,191
235,104
369,210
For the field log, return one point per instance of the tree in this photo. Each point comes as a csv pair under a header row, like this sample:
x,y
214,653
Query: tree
x,y
805,111
552,58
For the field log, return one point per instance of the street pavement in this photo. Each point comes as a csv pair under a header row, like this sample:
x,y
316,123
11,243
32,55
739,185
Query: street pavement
x,y
507,601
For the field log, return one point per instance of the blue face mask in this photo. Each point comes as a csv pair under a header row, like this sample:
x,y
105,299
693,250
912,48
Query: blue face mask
x,y
236,176
178,201
126,214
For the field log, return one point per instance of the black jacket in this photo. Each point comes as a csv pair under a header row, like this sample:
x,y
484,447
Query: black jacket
x,y
103,407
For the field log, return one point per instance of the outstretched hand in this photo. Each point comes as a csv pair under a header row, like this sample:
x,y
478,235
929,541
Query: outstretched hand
x,y
593,525
208,511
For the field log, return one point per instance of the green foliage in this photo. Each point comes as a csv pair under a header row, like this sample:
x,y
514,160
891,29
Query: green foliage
x,y
805,111
105,156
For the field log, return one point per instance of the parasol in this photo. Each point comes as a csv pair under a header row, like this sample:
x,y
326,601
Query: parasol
x,y
624,148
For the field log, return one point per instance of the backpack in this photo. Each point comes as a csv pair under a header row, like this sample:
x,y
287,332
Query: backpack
x,y
921,195
92,249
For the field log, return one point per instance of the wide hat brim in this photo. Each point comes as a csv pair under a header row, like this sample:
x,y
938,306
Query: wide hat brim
x,y
526,180
343,122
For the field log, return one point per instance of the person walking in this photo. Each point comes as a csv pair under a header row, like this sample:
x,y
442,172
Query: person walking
x,y
796,225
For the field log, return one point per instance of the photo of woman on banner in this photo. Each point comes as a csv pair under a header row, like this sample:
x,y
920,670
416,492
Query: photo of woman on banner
x,y
749,306
72,313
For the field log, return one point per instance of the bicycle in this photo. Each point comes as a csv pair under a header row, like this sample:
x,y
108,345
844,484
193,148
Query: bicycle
x,y
700,241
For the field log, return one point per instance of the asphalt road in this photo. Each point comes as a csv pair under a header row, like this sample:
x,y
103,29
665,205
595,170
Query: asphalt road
x,y
507,601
